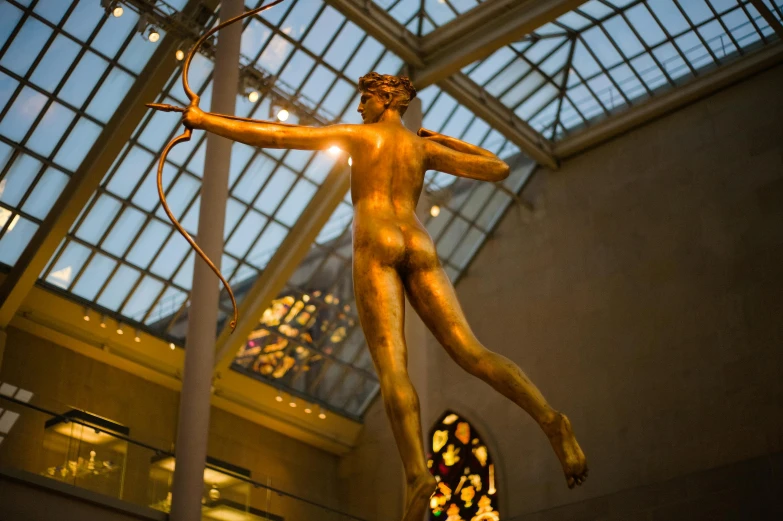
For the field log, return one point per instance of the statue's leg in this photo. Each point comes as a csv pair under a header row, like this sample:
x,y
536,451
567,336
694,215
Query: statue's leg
x,y
380,304
432,296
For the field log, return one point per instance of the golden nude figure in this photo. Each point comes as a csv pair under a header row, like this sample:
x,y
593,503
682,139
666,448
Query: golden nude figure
x,y
394,256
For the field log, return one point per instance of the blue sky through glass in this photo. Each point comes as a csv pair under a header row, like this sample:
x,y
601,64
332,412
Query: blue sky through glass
x,y
607,56
64,68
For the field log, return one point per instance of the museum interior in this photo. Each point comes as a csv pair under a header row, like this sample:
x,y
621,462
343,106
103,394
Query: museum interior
x,y
631,263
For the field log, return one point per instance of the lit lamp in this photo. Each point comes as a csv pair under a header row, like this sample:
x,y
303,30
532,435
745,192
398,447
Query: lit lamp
x,y
222,483
85,449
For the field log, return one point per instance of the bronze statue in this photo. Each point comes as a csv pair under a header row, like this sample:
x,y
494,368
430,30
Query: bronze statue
x,y
393,256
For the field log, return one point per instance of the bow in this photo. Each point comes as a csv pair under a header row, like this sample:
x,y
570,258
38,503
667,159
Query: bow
x,y
185,136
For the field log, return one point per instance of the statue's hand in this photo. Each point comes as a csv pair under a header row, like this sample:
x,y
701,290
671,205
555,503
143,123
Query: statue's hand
x,y
193,117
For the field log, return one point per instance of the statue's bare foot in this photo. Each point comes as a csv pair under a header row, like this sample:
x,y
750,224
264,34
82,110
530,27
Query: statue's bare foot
x,y
561,436
418,496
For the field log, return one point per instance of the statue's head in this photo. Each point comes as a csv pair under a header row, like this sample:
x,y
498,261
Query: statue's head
x,y
381,92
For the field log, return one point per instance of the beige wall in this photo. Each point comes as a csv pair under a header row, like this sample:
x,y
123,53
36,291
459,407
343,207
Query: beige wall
x,y
643,296
150,410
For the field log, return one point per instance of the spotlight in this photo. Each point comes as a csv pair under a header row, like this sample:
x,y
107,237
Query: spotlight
x,y
435,210
86,314
282,115
350,161
180,55
154,35
137,336
321,413
335,150
308,410
117,11
119,329
172,346
103,321
292,403
253,96
279,397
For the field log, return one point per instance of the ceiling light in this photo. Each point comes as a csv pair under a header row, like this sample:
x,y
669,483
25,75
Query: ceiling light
x,y
103,321
321,413
350,161
119,329
253,96
279,397
292,403
335,150
137,336
435,210
86,314
308,410
172,346
282,114
180,55
154,35
117,11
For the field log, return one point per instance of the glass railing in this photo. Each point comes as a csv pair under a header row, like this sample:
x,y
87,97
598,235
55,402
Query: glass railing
x,y
74,446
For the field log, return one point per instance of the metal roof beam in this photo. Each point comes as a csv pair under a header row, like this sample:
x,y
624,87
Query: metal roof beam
x,y
283,264
480,32
88,176
762,8
753,63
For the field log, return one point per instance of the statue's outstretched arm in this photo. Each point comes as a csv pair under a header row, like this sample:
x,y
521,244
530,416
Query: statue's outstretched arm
x,y
456,157
270,135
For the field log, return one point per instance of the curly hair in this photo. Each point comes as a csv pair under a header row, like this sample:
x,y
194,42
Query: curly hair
x,y
401,89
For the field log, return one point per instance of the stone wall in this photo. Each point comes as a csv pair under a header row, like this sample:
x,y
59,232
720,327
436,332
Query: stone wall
x,y
643,296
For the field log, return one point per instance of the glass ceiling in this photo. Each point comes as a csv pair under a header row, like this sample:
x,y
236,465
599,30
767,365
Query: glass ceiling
x,y
124,254
609,55
423,16
64,68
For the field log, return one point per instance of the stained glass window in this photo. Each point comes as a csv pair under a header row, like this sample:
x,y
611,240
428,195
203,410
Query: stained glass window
x,y
302,337
460,461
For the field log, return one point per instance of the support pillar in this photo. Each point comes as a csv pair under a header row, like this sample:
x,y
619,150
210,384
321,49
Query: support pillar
x,y
415,331
194,406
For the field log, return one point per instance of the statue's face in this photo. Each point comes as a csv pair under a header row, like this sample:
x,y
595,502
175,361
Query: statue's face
x,y
371,107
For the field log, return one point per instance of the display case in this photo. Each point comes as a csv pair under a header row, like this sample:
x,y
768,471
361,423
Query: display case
x,y
87,451
225,497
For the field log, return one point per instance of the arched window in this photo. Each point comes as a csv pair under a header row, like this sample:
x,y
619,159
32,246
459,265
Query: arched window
x,y
460,461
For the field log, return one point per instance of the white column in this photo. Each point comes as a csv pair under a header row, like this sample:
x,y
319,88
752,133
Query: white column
x,y
194,406
415,331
